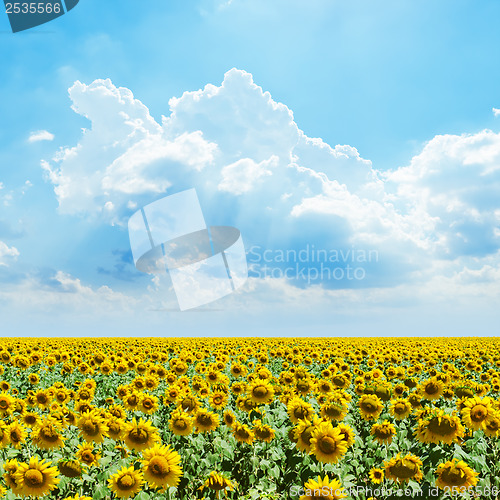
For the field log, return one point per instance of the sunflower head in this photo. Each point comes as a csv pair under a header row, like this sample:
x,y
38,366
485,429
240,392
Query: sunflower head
x,y
126,483
161,467
36,478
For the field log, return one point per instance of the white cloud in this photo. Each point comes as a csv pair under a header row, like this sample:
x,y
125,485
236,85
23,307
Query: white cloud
x,y
40,135
7,254
254,168
496,111
65,294
455,184
242,175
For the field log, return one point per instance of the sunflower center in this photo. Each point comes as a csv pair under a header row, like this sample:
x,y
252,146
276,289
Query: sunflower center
x,y
441,426
188,404
260,391
87,457
454,476
306,435
49,434
139,436
300,412
431,388
4,404
33,478
383,433
242,433
493,425
369,407
148,404
327,445
180,424
263,433
14,436
333,411
159,466
90,427
400,409
204,420
126,482
404,469
478,413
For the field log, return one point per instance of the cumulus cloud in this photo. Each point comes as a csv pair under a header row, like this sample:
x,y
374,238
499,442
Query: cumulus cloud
x,y
7,254
62,292
254,168
496,111
454,183
40,135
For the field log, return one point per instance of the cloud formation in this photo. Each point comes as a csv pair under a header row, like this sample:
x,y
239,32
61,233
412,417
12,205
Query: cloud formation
x,y
253,168
7,254
40,135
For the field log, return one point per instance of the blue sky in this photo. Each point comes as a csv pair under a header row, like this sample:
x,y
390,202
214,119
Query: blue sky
x,y
345,125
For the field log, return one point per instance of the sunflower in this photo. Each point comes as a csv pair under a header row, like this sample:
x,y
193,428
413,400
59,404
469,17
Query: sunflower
x,y
402,469
76,496
370,406
260,391
217,482
46,435
10,467
7,404
456,474
438,427
335,409
383,432
431,389
376,475
302,433
347,433
263,432
298,409
229,418
188,403
85,453
400,408
149,404
36,478
17,434
323,489
242,433
4,435
327,443
116,427
140,435
180,423
92,426
161,467
477,412
205,421
118,411
132,401
218,400
492,428
42,399
126,483
70,468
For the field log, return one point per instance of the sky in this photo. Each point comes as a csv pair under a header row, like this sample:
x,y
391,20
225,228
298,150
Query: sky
x,y
355,146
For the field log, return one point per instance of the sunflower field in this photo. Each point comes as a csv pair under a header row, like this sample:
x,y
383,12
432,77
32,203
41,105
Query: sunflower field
x,y
249,418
